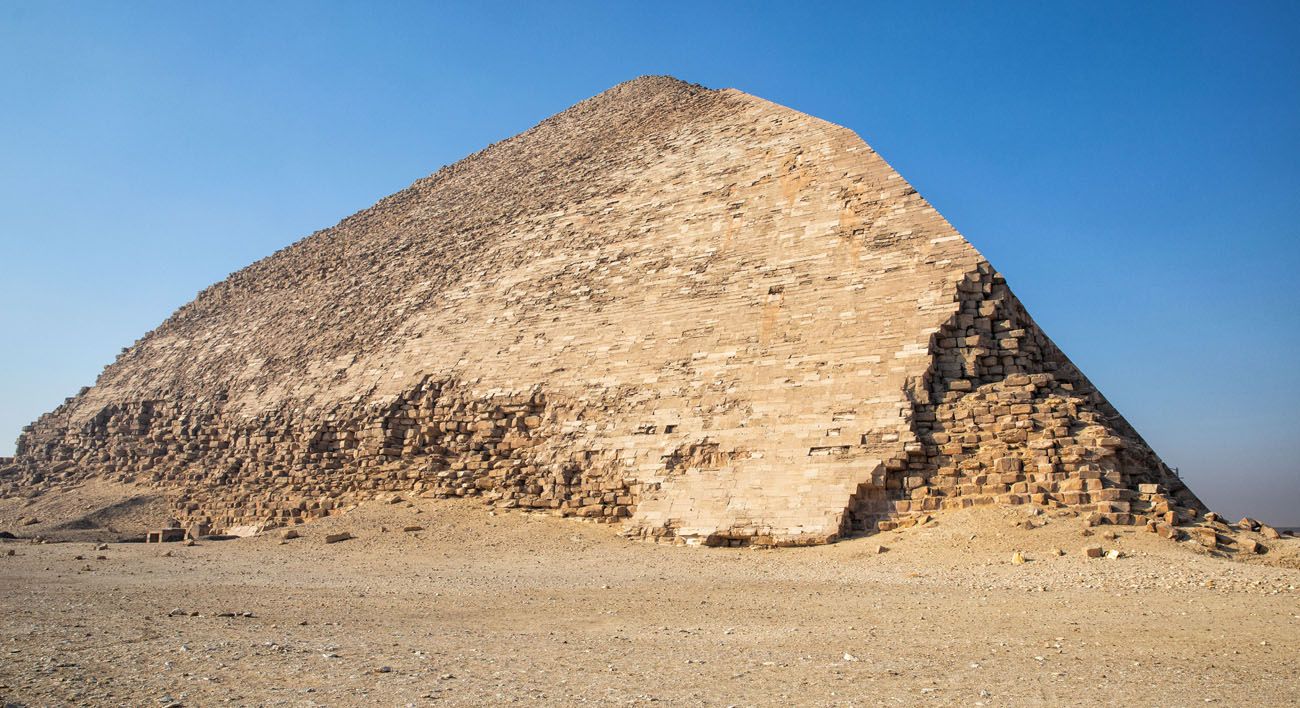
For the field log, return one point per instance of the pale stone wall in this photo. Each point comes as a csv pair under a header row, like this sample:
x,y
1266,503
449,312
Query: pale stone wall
x,y
712,316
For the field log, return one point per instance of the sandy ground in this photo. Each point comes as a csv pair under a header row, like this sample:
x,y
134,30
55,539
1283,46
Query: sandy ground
x,y
477,608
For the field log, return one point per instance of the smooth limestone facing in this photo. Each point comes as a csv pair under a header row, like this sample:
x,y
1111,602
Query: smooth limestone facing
x,y
705,316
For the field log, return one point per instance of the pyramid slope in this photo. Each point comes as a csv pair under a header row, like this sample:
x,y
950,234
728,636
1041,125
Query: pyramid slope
x,y
695,312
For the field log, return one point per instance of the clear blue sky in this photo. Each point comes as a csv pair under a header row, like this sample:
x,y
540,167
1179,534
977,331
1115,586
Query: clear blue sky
x,y
1133,168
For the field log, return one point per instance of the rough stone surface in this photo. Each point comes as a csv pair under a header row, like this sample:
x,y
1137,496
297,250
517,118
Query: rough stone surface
x,y
699,314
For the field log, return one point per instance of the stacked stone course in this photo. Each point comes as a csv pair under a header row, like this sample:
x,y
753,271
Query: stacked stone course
x,y
281,469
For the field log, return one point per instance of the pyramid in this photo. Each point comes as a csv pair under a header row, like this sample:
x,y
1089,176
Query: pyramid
x,y
694,313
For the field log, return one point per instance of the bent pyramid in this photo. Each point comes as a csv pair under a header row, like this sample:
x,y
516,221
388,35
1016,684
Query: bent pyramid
x,y
694,312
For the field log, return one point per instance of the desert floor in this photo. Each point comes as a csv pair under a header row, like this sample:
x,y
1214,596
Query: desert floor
x,y
483,608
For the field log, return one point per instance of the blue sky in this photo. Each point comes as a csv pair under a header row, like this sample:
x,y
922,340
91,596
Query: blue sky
x,y
1132,168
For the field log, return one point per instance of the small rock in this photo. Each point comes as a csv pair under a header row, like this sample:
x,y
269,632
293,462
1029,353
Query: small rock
x,y
178,612
880,549
1110,535
411,529
336,537
102,547
1248,524
29,521
290,534
1248,545
1092,551
189,542
1018,558
384,670
849,657
1058,551
1114,553
1269,532
1207,536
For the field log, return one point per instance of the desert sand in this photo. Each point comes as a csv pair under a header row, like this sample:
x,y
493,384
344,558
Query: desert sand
x,y
477,607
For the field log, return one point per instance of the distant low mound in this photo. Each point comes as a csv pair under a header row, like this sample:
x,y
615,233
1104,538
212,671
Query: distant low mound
x,y
95,510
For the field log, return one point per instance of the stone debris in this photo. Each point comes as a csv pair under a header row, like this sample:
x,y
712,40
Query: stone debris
x,y
1092,551
337,537
1207,536
167,535
1018,558
1250,545
484,334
